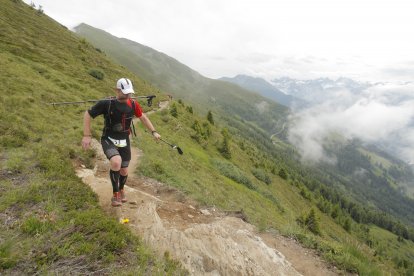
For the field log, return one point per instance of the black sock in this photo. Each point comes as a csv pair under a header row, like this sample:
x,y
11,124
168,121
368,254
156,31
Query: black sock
x,y
114,175
122,181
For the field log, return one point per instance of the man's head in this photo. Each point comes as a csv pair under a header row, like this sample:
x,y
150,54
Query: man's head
x,y
124,88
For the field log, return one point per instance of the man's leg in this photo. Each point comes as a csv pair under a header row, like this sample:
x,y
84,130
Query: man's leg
x,y
126,157
122,180
115,161
114,172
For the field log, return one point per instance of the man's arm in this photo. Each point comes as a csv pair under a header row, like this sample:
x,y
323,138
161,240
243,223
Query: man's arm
x,y
147,123
87,134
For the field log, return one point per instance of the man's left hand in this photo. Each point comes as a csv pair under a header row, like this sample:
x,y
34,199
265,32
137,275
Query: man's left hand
x,y
156,135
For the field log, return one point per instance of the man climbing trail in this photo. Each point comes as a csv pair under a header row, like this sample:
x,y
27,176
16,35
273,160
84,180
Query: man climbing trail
x,y
118,113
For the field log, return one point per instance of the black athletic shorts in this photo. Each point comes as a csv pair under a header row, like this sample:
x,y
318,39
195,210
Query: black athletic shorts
x,y
111,150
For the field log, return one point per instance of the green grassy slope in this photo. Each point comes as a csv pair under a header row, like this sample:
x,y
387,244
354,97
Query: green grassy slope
x,y
397,172
182,82
50,222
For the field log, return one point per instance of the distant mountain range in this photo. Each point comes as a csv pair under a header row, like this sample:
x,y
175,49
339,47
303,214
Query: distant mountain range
x,y
317,90
265,89
298,93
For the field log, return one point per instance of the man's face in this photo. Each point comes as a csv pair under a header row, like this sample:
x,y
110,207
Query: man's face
x,y
121,96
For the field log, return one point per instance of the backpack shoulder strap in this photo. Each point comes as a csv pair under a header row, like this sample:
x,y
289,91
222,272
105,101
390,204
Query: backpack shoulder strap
x,y
133,106
132,120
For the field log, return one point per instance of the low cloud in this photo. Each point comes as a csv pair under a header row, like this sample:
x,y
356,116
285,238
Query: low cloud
x,y
382,114
262,107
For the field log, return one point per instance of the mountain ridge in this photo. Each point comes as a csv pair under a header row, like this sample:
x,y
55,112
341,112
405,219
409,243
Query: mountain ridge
x,y
266,89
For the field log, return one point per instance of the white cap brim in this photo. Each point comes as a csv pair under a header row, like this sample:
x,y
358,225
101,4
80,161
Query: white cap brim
x,y
128,91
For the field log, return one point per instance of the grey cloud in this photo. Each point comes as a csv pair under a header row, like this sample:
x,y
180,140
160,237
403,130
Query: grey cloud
x,y
382,114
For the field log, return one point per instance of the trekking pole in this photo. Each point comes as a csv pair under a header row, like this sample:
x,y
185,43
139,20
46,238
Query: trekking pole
x,y
149,100
171,145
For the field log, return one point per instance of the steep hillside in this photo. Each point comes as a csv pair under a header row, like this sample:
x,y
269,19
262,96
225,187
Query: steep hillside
x,y
50,222
182,82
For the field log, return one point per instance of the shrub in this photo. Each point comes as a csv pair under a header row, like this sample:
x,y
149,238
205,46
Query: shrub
x,y
158,168
198,131
304,193
189,109
210,117
347,225
283,174
174,110
262,176
234,173
165,118
224,148
206,130
310,222
97,74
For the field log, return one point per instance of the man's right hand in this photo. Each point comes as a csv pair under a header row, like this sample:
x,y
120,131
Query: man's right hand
x,y
86,142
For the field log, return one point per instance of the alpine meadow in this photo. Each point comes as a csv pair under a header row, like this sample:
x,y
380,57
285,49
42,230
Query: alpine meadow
x,y
237,159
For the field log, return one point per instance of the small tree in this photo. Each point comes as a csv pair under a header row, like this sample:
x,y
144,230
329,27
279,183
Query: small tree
x,y
210,117
347,225
189,109
174,111
198,131
225,145
283,174
335,211
225,148
312,222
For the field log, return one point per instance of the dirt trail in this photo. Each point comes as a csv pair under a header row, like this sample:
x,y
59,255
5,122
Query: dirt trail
x,y
205,240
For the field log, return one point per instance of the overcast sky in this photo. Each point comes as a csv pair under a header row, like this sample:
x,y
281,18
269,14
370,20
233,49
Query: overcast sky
x,y
361,39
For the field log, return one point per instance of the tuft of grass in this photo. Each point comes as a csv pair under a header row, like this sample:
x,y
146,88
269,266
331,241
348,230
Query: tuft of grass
x,y
262,176
97,74
231,171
